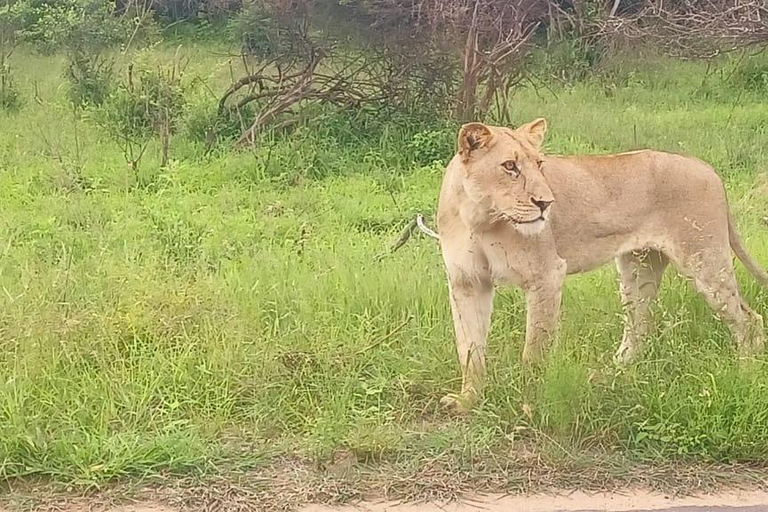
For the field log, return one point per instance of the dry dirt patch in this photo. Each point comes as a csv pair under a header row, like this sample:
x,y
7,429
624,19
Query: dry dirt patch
x,y
635,500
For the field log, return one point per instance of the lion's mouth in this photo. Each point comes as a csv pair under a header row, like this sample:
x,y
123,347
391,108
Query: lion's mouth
x,y
509,218
541,218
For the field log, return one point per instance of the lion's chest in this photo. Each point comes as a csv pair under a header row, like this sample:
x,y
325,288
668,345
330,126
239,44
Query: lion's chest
x,y
516,260
503,264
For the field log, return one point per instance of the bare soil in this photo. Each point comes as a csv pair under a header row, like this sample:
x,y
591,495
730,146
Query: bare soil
x,y
297,484
635,500
628,501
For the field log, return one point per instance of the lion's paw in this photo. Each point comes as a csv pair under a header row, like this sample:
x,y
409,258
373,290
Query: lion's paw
x,y
460,404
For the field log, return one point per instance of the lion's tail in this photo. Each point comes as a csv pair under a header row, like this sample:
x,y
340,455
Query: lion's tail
x,y
738,248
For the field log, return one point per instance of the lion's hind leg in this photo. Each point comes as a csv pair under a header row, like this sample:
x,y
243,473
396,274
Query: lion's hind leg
x,y
711,270
640,274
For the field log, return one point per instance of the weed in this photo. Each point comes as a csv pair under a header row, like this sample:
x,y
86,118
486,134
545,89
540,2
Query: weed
x,y
9,93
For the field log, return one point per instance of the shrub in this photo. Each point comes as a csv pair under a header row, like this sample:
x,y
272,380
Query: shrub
x,y
9,94
77,27
752,75
148,103
84,30
10,23
429,146
204,122
90,79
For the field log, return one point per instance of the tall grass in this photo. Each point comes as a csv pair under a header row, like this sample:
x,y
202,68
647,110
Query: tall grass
x,y
155,322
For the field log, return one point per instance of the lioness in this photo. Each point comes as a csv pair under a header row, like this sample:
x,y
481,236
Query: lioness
x,y
508,214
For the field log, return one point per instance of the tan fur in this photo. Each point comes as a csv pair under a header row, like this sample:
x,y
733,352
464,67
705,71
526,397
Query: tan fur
x,y
642,209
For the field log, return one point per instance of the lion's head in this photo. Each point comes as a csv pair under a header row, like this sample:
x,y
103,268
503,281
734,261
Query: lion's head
x,y
502,173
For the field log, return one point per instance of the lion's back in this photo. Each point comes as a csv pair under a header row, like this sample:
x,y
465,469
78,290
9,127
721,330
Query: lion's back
x,y
637,176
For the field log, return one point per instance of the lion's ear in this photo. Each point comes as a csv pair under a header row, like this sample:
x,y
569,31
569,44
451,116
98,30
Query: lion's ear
x,y
535,131
473,136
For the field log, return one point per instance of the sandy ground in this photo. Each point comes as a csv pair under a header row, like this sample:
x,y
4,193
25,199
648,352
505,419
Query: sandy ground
x,y
635,501
581,502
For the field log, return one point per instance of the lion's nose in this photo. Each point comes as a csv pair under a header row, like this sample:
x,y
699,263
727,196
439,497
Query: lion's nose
x,y
542,204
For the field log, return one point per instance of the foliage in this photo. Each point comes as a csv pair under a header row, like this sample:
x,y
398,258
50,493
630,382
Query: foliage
x,y
148,102
77,26
10,23
205,123
430,146
570,60
85,30
90,79
750,75
9,93
257,32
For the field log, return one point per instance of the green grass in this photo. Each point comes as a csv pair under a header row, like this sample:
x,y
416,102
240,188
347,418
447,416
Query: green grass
x,y
159,322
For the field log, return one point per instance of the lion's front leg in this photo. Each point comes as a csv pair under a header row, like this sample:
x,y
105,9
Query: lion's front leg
x,y
543,311
471,307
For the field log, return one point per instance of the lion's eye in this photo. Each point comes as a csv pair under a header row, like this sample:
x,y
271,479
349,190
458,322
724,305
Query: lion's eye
x,y
510,167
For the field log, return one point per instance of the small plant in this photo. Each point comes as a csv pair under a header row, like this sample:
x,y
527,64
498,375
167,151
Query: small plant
x,y
149,103
751,76
9,27
430,146
571,60
90,79
9,94
203,122
256,32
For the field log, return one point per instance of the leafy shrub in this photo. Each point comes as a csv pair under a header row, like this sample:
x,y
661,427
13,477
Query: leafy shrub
x,y
149,102
85,30
9,94
90,79
203,122
177,10
270,29
751,76
256,32
76,27
569,60
10,22
430,146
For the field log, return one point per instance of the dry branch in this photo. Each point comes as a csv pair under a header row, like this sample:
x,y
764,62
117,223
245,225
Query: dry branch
x,y
693,28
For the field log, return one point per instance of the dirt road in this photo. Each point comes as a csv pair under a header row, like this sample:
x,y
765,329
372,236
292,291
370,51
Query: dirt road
x,y
581,502
634,501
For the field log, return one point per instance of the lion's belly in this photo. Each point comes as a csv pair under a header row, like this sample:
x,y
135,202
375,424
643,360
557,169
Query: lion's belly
x,y
592,253
577,262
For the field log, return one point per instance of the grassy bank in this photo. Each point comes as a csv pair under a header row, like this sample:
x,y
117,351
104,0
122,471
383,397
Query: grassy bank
x,y
228,308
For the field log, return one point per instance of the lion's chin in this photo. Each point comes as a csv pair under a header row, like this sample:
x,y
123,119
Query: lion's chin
x,y
530,228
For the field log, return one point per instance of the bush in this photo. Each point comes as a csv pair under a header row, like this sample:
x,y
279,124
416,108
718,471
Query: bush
x,y
9,94
10,22
84,30
203,122
256,32
570,60
90,79
177,10
77,27
429,146
751,76
148,103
